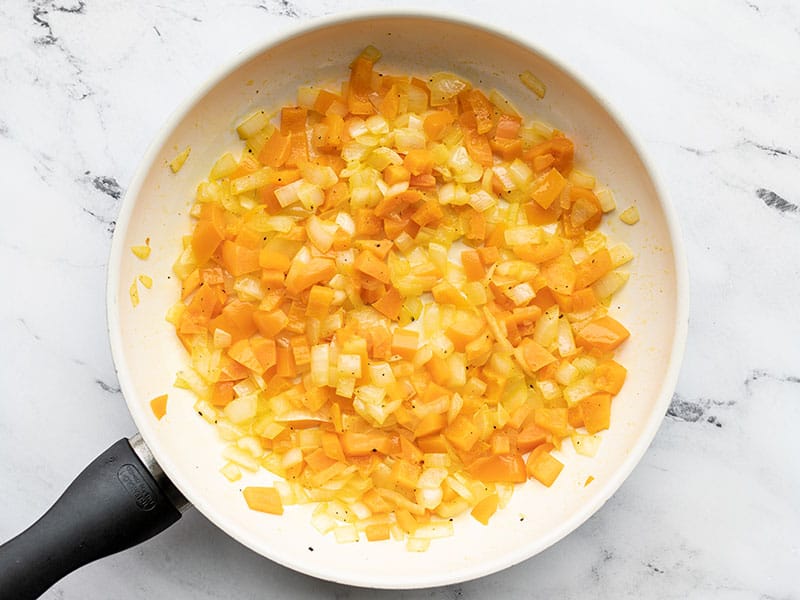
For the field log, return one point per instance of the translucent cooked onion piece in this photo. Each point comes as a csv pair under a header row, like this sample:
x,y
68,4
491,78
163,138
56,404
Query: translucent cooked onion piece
x,y
444,86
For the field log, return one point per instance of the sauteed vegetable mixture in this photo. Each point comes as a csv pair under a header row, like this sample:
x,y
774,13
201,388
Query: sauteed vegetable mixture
x,y
397,300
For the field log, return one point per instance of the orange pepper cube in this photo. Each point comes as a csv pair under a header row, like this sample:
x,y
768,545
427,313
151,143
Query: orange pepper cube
x,y
548,188
596,411
263,499
369,264
545,468
405,343
320,299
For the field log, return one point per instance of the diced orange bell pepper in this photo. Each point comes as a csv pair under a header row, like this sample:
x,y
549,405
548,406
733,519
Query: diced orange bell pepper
x,y
205,304
190,284
367,222
360,86
545,468
484,509
238,259
369,264
293,119
419,161
436,123
542,162
222,393
535,355
377,532
264,350
242,353
396,174
430,424
425,180
236,318
263,499
302,276
583,300
506,148
269,324
473,267
390,103
380,248
364,443
592,268
559,147
609,376
284,358
605,333
477,146
482,109
230,370
575,416
530,437
508,127
208,233
389,304
462,433
332,446
319,301
539,216
159,406
275,151
489,255
560,274
548,188
596,412
507,468
324,100
553,420
429,212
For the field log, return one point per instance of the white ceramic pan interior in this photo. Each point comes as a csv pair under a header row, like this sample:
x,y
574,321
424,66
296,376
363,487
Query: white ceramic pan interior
x,y
147,353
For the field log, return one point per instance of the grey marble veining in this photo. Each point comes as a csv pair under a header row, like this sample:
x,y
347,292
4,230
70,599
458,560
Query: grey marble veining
x,y
713,89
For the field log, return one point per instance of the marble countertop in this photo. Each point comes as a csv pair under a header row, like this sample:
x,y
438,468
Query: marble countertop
x,y
713,89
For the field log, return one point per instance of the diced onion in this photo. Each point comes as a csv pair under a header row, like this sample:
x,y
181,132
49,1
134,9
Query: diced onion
x,y
533,83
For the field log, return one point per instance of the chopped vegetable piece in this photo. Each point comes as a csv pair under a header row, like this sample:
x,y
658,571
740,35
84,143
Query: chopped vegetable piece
x,y
609,376
134,294
146,281
629,216
604,334
533,83
177,163
263,499
484,509
159,406
596,411
545,468
142,252
499,467
548,188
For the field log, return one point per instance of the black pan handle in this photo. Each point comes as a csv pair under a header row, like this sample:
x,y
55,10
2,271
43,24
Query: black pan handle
x,y
115,503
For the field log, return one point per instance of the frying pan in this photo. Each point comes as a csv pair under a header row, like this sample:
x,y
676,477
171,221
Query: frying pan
x,y
140,486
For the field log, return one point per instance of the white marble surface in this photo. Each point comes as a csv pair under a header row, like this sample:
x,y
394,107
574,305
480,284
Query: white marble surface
x,y
712,87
